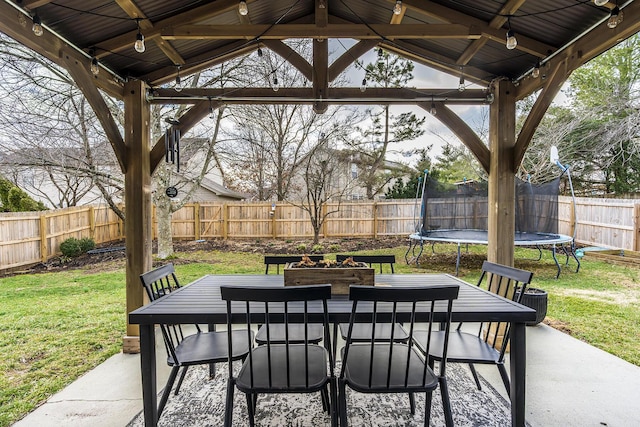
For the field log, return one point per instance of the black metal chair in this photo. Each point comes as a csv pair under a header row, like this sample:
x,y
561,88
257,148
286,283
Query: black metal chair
x,y
488,346
361,331
371,259
392,367
199,348
282,366
296,331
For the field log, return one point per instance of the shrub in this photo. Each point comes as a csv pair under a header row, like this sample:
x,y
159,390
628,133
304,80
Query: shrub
x,y
87,244
317,249
73,247
301,247
70,247
334,248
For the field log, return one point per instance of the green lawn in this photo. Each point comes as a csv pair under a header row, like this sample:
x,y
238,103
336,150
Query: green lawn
x,y
56,326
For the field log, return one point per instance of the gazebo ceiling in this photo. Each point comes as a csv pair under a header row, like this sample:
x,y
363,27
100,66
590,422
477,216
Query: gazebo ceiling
x,y
459,36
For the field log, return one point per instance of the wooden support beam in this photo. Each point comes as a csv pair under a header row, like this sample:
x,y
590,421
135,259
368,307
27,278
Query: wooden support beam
x,y
509,8
501,221
137,199
553,82
188,120
445,14
588,47
86,82
50,46
198,14
349,57
287,31
320,81
305,95
291,56
462,130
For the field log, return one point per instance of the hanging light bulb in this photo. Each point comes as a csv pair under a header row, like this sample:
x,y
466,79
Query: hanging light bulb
x,y
433,109
461,86
275,85
380,57
536,71
511,40
615,18
37,26
511,36
95,68
211,114
397,9
363,86
139,44
322,4
600,2
178,85
242,8
260,54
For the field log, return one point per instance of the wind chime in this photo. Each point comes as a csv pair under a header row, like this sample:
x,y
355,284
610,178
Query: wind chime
x,y
172,143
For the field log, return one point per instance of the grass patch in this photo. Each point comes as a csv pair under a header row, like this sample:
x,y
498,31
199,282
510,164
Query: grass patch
x,y
56,326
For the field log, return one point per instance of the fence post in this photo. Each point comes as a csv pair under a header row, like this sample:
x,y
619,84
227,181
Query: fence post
x,y
274,223
196,221
636,227
92,223
225,221
43,238
375,220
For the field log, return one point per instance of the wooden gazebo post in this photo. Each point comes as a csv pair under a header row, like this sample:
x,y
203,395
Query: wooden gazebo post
x,y
502,138
137,199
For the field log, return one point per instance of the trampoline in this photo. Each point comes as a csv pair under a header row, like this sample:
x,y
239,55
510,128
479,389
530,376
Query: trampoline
x,y
479,237
458,213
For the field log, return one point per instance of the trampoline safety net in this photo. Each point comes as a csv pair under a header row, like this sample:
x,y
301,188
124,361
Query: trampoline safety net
x,y
465,206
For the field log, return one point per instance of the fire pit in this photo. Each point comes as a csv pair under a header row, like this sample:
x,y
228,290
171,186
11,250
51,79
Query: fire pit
x,y
339,274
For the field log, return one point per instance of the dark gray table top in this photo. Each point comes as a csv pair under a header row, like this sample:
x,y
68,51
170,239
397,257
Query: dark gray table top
x,y
199,302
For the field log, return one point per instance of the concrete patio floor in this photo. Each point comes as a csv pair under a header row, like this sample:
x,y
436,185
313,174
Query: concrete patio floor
x,y
569,383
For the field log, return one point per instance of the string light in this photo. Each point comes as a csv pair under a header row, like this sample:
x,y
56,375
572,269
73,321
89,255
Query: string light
x,y
242,8
461,86
536,71
260,53
94,68
322,4
178,86
37,26
211,114
600,2
275,86
511,37
380,57
433,109
615,18
397,9
139,44
363,86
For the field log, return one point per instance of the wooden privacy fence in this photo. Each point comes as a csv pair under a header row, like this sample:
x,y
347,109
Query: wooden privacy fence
x,y
31,237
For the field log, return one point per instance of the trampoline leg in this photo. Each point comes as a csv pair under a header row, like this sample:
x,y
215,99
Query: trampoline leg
x,y
458,260
539,252
569,251
420,254
406,255
555,259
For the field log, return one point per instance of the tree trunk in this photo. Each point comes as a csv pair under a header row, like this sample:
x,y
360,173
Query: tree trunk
x,y
165,235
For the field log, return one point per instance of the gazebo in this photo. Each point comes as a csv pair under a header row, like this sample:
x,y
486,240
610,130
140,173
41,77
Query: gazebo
x,y
510,48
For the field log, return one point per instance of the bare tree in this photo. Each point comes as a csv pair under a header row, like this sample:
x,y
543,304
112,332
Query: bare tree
x,y
53,146
322,175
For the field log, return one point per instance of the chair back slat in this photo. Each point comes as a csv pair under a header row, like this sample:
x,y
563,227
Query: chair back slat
x,y
386,305
286,305
157,283
504,281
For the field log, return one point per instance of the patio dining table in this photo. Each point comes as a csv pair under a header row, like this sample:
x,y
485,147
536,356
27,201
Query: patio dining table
x,y
200,302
